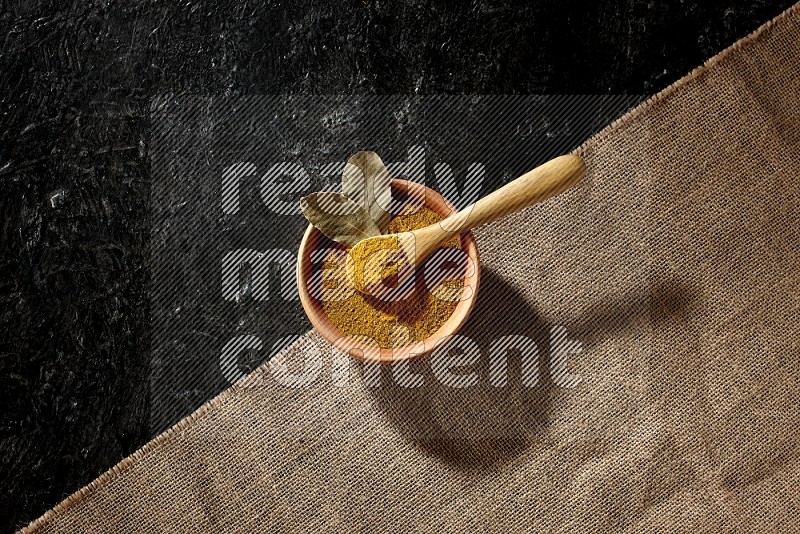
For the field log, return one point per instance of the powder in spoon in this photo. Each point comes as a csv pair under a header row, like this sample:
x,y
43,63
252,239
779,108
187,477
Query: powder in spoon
x,y
375,262
395,323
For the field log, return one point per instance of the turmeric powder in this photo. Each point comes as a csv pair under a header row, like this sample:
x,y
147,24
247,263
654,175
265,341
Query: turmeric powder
x,y
397,322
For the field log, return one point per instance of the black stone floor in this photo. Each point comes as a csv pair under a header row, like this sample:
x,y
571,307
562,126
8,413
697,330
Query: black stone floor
x,y
76,80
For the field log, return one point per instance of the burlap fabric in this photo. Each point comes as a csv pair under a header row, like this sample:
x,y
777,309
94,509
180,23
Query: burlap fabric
x,y
675,264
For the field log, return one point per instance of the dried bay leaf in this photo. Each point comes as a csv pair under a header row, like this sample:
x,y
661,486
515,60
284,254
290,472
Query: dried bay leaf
x,y
338,217
366,180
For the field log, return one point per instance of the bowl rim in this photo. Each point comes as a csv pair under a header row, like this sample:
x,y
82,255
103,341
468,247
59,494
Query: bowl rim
x,y
370,353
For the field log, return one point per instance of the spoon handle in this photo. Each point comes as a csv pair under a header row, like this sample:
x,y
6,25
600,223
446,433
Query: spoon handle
x,y
543,182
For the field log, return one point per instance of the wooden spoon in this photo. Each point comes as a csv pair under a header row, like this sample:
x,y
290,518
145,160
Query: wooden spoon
x,y
375,259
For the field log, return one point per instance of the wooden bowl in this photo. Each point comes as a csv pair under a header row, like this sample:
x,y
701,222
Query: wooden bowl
x,y
402,190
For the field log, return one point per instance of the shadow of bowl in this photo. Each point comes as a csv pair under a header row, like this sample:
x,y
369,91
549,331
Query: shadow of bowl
x,y
515,399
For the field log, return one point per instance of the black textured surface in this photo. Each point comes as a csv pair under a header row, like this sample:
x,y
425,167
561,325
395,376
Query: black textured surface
x,y
76,80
